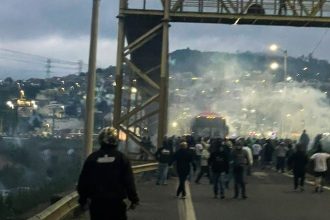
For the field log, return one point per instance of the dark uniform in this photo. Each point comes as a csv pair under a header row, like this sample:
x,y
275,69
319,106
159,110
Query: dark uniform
x,y
106,180
183,158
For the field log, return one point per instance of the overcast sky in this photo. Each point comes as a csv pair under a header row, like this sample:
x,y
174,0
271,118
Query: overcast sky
x,y
60,29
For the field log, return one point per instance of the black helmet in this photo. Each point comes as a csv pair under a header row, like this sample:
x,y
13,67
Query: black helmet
x,y
108,136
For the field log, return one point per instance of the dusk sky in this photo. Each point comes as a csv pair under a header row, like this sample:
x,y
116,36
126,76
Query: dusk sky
x,y
60,29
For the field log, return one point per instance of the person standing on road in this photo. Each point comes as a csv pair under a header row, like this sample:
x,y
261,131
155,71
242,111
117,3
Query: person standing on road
x,y
106,180
304,140
256,149
298,162
219,162
320,168
281,152
250,157
241,160
163,156
204,165
184,159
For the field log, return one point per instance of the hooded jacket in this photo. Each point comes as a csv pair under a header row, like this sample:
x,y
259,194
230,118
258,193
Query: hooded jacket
x,y
107,175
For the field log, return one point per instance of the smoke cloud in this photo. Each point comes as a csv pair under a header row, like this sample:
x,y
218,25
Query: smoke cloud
x,y
252,102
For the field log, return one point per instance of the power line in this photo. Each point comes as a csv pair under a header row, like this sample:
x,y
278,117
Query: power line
x,y
43,58
320,41
46,62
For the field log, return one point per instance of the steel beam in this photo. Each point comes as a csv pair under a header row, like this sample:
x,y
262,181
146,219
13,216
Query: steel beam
x,y
144,117
163,97
138,108
143,76
143,39
89,120
119,63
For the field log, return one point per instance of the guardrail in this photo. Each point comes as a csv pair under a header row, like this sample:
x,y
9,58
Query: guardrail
x,y
69,203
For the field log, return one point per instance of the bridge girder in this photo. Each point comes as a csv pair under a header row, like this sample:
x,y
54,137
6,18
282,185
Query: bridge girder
x,y
145,29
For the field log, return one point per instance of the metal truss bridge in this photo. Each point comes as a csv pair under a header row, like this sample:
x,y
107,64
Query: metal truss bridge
x,y
143,38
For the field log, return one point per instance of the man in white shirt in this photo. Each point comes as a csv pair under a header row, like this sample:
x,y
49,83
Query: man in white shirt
x,y
250,158
320,168
256,149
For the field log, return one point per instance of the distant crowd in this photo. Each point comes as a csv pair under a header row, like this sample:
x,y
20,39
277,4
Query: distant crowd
x,y
222,160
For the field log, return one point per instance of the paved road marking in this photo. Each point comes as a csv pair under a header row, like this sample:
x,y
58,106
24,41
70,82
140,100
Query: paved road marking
x,y
260,174
185,206
306,181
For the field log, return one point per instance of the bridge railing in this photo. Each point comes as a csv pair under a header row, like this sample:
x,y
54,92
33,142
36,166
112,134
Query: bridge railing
x,y
69,204
312,8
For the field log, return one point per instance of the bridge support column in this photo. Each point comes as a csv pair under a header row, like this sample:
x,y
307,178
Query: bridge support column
x,y
119,64
164,75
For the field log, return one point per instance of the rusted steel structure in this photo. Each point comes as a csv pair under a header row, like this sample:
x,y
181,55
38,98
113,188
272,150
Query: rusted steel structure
x,y
143,38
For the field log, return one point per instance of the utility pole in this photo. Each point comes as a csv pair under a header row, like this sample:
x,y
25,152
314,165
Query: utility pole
x,y
91,78
80,66
48,66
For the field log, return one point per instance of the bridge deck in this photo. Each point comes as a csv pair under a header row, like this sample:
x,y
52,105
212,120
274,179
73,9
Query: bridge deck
x,y
270,196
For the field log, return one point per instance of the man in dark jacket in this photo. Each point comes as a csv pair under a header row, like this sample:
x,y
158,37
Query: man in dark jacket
x,y
304,140
298,162
240,161
106,180
184,159
219,162
163,156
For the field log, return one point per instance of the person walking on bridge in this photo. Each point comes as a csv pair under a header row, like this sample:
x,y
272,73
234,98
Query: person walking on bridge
x,y
304,140
320,168
219,162
205,155
106,180
298,162
241,160
163,156
281,152
184,159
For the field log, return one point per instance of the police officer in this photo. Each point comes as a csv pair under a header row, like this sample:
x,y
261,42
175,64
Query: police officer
x,y
106,180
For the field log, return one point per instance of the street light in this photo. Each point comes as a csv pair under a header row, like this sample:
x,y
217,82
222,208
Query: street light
x,y
274,65
274,47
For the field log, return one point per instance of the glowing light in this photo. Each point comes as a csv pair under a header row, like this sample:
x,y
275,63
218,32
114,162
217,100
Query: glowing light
x,y
177,89
134,90
237,81
252,110
174,124
274,66
114,84
273,47
288,78
203,91
194,78
10,104
305,68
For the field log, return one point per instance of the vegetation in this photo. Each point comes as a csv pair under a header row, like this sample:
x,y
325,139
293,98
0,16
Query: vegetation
x,y
34,177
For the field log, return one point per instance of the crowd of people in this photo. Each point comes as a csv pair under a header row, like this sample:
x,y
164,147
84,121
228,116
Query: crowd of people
x,y
107,178
222,160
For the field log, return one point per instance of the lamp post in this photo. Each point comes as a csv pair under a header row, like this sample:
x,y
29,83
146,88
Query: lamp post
x,y
274,47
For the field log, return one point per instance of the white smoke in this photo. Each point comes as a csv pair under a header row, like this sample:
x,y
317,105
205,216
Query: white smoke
x,y
249,100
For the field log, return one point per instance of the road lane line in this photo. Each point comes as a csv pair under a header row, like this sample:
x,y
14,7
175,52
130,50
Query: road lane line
x,y
185,206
